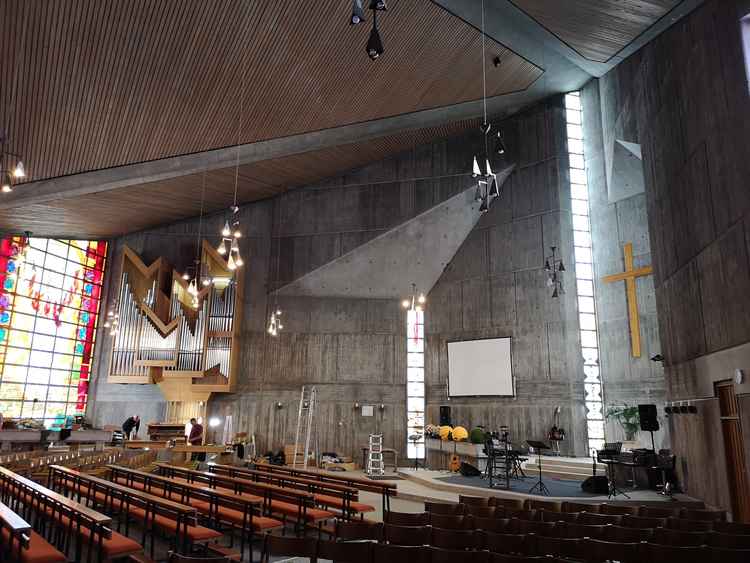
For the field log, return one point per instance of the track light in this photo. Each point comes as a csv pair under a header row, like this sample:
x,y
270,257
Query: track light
x,y
374,44
19,171
358,13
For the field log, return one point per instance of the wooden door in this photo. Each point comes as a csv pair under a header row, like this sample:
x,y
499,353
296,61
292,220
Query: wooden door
x,y
739,489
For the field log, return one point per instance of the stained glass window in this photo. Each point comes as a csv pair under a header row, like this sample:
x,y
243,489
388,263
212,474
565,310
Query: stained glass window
x,y
50,291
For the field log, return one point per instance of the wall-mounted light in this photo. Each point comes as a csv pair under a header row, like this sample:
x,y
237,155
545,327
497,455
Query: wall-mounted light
x,y
279,405
381,407
356,405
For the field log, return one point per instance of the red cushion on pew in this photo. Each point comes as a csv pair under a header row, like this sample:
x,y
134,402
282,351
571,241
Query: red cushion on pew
x,y
259,522
291,509
195,533
40,551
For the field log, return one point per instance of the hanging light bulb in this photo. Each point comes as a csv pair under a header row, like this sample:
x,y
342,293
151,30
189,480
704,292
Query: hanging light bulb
x,y
406,303
235,248
206,281
493,192
239,261
226,231
422,299
222,248
488,168
6,187
484,208
185,276
237,233
19,171
475,172
231,264
478,193
107,324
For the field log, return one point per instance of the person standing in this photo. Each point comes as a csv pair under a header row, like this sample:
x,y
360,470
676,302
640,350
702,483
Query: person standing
x,y
196,439
131,426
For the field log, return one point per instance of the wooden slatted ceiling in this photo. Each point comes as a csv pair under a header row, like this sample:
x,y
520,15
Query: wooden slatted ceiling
x,y
112,213
91,84
597,29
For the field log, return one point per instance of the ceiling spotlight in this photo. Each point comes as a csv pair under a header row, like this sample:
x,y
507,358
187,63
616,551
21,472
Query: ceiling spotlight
x,y
226,231
19,171
358,13
378,5
374,44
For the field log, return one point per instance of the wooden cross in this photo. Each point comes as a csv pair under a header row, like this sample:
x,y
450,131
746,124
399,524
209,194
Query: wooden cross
x,y
629,276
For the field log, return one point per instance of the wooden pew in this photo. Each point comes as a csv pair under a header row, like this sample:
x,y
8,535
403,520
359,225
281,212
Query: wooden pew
x,y
63,520
299,506
330,495
155,512
220,507
384,488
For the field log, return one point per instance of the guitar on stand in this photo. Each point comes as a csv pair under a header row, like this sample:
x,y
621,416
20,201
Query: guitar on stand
x,y
455,464
556,434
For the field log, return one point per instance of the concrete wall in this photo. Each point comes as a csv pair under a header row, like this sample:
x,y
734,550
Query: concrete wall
x,y
687,97
616,220
354,350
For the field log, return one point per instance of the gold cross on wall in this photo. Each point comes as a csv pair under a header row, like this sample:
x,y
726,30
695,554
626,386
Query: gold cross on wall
x,y
629,276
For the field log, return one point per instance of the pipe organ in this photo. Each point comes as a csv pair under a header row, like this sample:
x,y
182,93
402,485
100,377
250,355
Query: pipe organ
x,y
166,335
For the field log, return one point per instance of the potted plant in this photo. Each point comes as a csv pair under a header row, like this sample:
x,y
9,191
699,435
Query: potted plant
x,y
627,417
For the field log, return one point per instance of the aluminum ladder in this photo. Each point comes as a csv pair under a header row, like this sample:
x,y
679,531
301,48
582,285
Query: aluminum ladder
x,y
375,466
306,424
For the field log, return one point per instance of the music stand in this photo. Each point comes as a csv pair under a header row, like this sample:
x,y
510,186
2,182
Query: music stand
x,y
539,446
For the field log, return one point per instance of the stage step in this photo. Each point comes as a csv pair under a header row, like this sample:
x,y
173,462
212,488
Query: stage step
x,y
561,468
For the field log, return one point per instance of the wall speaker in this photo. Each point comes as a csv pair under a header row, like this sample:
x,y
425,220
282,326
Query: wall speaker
x,y
647,414
445,416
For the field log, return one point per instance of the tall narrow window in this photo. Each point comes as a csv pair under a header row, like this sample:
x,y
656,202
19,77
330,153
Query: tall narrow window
x,y
415,384
745,25
579,193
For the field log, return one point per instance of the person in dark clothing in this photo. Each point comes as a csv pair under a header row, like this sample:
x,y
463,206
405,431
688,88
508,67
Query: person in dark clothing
x,y
196,439
132,423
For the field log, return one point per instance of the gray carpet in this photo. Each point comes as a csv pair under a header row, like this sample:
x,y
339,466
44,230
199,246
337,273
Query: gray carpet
x,y
557,487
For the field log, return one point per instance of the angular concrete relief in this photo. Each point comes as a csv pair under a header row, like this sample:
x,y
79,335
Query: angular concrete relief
x,y
416,251
625,176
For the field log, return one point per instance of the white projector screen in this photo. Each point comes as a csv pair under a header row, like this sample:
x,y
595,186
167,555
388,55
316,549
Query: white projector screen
x,y
480,368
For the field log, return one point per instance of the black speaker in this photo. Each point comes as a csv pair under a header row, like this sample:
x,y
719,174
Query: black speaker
x,y
647,414
468,470
445,416
596,485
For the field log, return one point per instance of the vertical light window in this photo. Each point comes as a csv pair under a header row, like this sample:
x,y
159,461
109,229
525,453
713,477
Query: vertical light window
x,y
579,193
745,25
415,383
49,305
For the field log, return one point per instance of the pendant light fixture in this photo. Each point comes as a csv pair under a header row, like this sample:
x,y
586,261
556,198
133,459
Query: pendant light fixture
x,y
416,302
274,321
358,13
487,188
374,47
11,166
554,268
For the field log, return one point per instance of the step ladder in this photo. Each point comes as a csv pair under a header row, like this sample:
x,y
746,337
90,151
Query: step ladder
x,y
307,426
375,466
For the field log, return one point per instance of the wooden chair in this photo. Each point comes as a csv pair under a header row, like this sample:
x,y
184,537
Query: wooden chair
x,y
450,521
480,510
177,558
732,528
550,505
575,530
530,527
579,507
346,552
594,519
690,525
665,536
494,525
406,518
716,555
699,514
388,553
727,541
626,535
289,546
510,504
508,543
456,539
359,530
474,501
407,535
658,512
444,508
643,522
657,553
617,510
439,555
596,551
559,547
546,516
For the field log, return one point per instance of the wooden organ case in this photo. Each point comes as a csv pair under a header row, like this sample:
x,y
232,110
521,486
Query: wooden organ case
x,y
187,345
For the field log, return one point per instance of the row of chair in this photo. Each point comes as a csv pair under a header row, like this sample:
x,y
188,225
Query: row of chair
x,y
486,517
452,538
521,549
469,503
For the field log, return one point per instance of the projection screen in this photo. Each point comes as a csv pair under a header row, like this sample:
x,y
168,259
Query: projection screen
x,y
480,368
